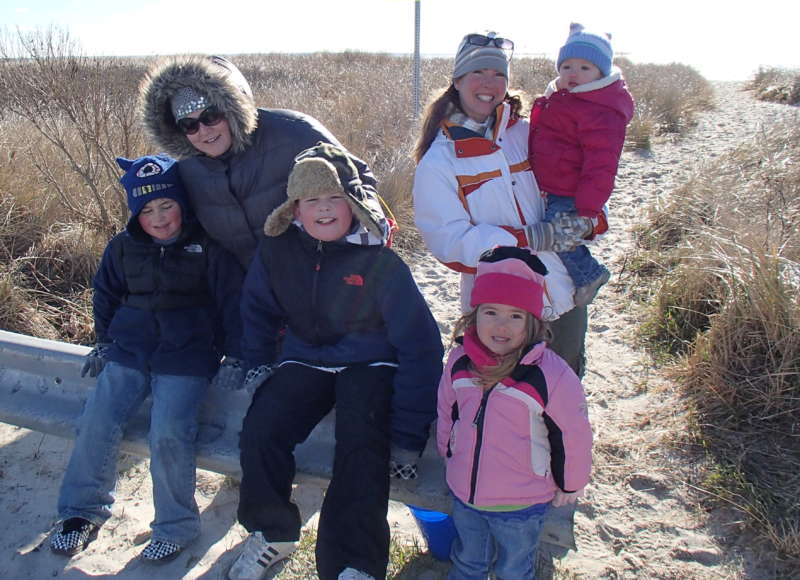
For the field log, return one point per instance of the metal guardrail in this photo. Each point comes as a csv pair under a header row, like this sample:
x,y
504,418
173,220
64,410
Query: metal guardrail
x,y
41,389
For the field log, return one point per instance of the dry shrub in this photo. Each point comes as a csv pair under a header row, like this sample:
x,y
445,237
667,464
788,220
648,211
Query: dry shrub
x,y
744,381
18,310
49,287
87,114
683,305
83,111
728,243
20,226
668,99
531,75
63,261
750,196
777,85
65,117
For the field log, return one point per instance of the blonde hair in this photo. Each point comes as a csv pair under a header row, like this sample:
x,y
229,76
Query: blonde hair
x,y
535,331
444,105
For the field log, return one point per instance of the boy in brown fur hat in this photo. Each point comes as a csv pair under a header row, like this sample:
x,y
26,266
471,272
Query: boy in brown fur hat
x,y
359,337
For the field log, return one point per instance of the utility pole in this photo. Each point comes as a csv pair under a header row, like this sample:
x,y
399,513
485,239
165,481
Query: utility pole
x,y
416,59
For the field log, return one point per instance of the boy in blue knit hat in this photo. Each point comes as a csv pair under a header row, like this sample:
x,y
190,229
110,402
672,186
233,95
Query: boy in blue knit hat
x,y
577,131
166,309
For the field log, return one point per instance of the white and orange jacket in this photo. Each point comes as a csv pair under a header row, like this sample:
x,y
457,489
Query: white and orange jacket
x,y
467,186
519,441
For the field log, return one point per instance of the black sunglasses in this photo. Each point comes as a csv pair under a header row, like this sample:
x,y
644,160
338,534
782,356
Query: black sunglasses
x,y
482,40
210,117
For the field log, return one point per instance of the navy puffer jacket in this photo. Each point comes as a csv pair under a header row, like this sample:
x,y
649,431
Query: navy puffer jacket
x,y
168,309
345,304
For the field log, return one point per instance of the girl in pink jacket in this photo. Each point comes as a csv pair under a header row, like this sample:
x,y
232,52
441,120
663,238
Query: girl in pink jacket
x,y
577,131
512,421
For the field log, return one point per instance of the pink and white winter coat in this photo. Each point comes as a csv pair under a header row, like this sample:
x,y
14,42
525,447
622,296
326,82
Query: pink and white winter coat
x,y
576,139
519,441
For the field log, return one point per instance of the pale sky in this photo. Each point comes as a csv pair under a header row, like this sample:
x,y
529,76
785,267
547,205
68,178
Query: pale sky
x,y
720,41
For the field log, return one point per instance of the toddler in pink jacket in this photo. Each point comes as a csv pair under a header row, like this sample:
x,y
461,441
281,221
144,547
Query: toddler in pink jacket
x,y
512,421
577,131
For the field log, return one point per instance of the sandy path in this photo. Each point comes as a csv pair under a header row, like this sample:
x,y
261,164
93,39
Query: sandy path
x,y
637,521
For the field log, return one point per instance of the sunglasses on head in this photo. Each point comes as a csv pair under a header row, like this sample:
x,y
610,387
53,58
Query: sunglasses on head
x,y
209,117
482,40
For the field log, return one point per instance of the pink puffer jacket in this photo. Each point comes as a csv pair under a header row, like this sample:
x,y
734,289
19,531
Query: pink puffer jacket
x,y
576,139
519,441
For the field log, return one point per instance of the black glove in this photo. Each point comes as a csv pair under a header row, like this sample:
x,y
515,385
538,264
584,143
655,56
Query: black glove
x,y
257,376
403,463
95,360
230,375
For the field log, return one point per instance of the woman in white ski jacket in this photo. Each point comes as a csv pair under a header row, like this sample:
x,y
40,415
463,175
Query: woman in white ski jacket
x,y
474,189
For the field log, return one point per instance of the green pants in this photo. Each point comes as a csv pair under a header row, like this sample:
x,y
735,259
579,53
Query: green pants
x,y
569,338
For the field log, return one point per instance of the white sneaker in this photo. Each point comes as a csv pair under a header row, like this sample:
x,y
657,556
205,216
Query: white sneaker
x,y
353,574
257,555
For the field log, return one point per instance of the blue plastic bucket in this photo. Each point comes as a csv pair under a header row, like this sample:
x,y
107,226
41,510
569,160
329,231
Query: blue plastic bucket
x,y
438,529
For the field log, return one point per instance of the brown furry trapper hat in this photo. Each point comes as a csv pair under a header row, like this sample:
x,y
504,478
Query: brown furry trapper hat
x,y
322,169
216,79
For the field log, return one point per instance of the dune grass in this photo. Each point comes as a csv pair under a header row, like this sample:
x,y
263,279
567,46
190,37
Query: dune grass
x,y
726,287
65,117
777,85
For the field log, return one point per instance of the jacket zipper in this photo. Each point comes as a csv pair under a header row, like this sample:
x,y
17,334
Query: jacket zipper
x,y
314,285
478,422
158,272
157,275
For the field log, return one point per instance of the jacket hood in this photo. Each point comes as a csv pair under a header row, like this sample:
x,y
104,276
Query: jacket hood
x,y
215,78
610,91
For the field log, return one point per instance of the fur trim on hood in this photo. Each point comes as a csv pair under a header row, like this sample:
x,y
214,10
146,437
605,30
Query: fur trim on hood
x,y
215,78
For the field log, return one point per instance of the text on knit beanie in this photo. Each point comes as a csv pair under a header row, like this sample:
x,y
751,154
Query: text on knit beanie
x,y
151,177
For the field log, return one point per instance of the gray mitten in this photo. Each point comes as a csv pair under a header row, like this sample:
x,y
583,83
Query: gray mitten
x,y
547,237
230,375
257,376
540,236
573,225
96,359
403,463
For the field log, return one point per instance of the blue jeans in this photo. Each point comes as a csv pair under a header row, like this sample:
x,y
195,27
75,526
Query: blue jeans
x,y
580,264
89,481
505,542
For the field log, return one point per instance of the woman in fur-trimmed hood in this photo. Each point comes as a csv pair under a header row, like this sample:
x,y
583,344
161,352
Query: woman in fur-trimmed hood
x,y
235,158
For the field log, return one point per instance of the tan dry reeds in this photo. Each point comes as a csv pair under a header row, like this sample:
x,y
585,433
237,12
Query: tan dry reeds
x,y
66,116
777,85
729,246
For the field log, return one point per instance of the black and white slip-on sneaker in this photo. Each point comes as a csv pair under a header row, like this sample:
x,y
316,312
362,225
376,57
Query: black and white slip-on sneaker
x,y
74,535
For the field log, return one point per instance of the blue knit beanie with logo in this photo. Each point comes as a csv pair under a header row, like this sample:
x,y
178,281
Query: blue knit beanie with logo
x,y
596,48
151,177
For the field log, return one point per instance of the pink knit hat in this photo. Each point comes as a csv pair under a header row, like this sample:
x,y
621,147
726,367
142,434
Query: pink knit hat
x,y
510,276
